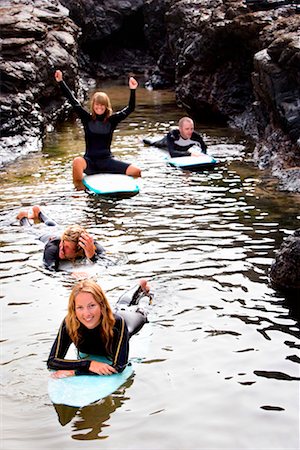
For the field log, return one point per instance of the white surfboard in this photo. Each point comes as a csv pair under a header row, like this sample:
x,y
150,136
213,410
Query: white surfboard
x,y
110,184
193,162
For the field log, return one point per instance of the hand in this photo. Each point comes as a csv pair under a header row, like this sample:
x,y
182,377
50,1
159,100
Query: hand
x,y
194,150
133,84
58,75
102,368
63,374
86,242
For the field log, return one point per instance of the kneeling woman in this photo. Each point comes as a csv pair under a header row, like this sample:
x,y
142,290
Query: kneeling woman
x,y
95,330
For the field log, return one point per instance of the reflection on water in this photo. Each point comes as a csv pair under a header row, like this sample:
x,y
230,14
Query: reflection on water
x,y
220,364
93,417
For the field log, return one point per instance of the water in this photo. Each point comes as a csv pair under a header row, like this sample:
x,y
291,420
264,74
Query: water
x,y
217,367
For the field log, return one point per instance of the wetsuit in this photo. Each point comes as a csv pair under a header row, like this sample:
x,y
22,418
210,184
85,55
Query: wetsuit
x,y
51,252
98,135
178,146
91,343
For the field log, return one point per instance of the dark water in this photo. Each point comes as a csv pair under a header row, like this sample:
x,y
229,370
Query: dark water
x,y
217,367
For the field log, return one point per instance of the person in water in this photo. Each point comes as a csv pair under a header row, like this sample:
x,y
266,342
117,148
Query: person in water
x,y
95,329
74,243
181,141
99,126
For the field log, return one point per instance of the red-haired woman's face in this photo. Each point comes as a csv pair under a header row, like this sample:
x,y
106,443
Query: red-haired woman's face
x,y
87,310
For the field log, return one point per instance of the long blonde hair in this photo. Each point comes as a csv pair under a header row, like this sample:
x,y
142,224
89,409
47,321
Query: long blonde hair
x,y
103,99
107,317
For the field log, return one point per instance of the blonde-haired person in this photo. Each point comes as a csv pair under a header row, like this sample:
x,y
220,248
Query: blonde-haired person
x,y
99,126
74,243
95,329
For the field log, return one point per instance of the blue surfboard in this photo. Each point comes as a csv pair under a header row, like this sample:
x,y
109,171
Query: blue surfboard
x,y
111,185
82,390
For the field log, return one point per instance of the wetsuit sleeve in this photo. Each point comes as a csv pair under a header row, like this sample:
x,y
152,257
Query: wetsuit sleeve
x,y
51,252
121,115
59,350
120,344
172,136
81,112
196,137
99,250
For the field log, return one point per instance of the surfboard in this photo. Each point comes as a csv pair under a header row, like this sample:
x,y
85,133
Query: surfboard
x,y
82,390
203,161
111,185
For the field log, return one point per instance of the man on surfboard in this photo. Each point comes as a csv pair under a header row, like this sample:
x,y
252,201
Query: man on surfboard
x,y
184,141
74,243
99,126
181,141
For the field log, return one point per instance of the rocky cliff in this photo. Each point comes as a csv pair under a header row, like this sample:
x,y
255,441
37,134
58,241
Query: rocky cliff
x,y
35,37
238,62
232,61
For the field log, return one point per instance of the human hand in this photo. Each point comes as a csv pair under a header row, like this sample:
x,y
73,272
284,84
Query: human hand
x,y
101,368
63,374
194,150
133,84
58,75
86,242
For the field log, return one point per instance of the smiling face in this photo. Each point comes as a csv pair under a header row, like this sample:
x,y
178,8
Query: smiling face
x,y
186,129
99,109
100,105
87,310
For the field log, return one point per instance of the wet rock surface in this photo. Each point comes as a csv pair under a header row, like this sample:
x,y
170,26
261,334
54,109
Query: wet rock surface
x,y
231,61
285,270
240,64
35,37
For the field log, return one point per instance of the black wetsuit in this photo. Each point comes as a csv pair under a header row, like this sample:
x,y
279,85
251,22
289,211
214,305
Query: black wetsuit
x,y
51,252
90,343
178,146
98,135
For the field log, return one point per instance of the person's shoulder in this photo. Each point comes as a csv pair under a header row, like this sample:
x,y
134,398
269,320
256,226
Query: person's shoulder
x,y
174,131
196,134
118,317
53,241
119,321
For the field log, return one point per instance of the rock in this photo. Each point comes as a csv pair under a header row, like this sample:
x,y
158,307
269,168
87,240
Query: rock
x,y
112,41
36,37
285,270
240,65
